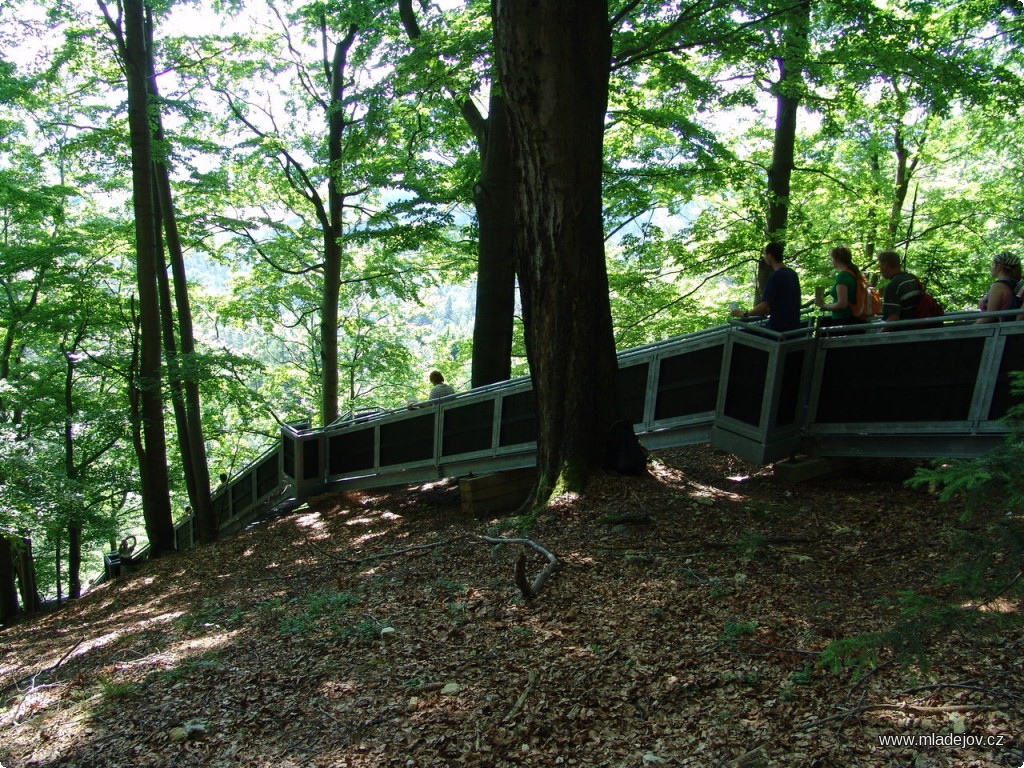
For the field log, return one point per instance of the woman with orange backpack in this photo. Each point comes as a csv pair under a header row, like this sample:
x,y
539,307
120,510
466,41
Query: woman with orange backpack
x,y
853,300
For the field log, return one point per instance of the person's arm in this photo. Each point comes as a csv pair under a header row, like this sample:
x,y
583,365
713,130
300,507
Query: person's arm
x,y
888,319
841,302
998,298
758,310
892,306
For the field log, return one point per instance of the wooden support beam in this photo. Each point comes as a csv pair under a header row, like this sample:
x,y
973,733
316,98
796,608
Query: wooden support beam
x,y
496,492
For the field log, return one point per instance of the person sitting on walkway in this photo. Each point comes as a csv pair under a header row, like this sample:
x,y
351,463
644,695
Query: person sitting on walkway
x,y
440,389
781,297
903,291
1002,294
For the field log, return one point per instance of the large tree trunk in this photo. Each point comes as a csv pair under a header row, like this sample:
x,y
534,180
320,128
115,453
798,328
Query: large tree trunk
x,y
74,560
174,376
57,569
496,274
905,168
183,387
8,584
788,92
554,60
156,501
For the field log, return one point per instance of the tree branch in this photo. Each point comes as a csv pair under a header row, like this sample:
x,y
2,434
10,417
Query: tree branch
x,y
529,590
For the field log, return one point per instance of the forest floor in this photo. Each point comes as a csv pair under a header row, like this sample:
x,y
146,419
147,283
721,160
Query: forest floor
x,y
376,629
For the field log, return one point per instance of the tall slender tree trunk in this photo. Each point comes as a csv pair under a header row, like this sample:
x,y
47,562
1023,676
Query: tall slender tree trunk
x,y
905,168
156,501
74,560
57,546
496,274
25,564
332,223
71,472
554,62
788,92
184,385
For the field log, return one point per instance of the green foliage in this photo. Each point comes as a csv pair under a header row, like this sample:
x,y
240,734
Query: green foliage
x,y
448,586
320,607
750,545
735,629
991,489
906,642
210,615
188,667
117,690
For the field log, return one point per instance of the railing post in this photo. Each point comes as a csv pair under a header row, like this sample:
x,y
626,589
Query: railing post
x,y
303,452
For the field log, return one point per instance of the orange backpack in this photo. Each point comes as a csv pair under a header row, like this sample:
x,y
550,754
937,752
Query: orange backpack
x,y
866,303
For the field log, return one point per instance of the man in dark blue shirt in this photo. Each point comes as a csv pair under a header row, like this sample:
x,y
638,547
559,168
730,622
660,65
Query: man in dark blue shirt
x,y
781,297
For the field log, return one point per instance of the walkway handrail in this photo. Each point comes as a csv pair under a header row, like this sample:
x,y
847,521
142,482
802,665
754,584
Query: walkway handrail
x,y
936,386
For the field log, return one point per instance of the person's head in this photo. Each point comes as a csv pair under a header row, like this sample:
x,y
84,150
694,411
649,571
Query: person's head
x,y
889,264
436,378
773,253
1006,264
842,258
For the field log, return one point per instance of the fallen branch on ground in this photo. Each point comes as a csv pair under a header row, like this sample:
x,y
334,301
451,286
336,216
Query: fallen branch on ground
x,y
908,708
994,692
522,697
529,590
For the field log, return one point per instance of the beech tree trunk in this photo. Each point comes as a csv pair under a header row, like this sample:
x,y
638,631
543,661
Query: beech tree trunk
x,y
70,470
184,387
496,273
332,224
788,91
184,383
905,168
8,585
156,501
25,565
553,61
75,560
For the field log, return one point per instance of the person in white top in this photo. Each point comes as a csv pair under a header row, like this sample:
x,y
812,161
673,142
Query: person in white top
x,y
440,389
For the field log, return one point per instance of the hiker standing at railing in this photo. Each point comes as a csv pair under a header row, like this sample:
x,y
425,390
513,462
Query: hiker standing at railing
x,y
848,292
1002,294
781,297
